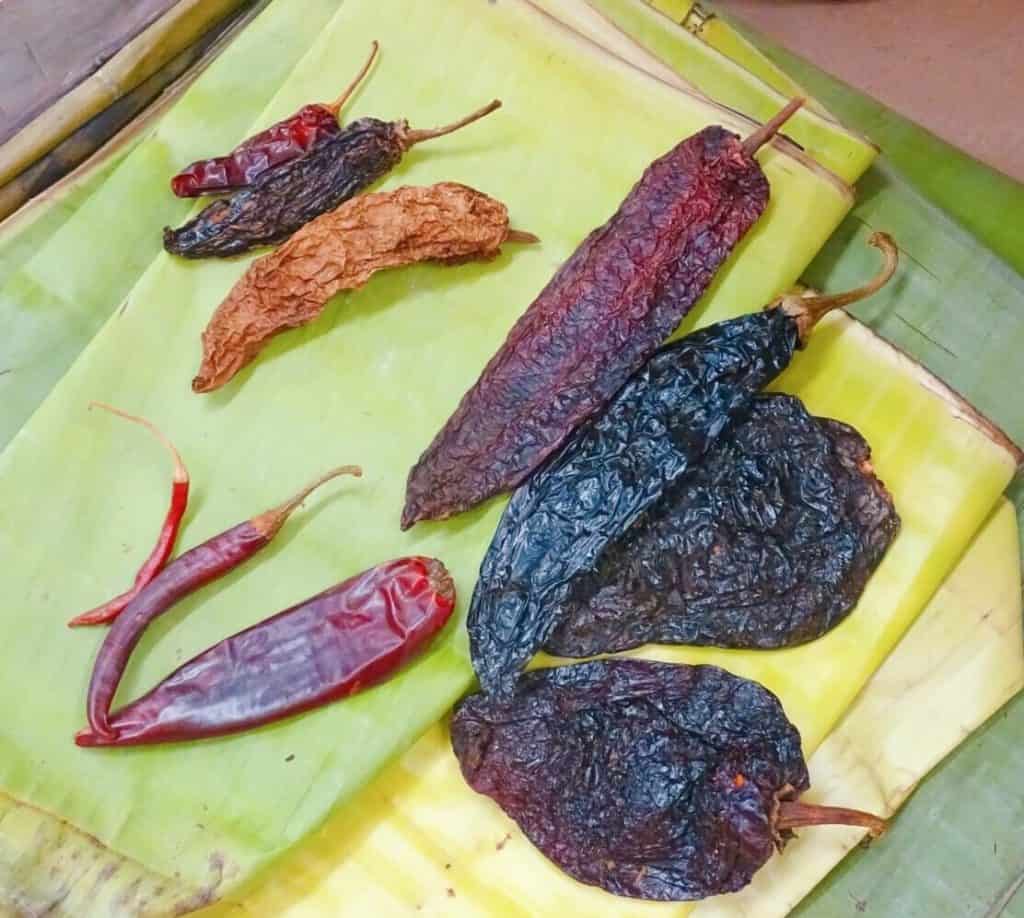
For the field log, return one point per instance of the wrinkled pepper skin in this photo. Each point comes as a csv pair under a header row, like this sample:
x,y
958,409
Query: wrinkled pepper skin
x,y
659,426
768,543
619,296
278,144
340,642
283,199
648,780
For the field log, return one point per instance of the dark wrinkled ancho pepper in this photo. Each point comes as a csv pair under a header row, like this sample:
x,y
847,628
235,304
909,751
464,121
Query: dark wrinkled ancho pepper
x,y
340,642
660,425
649,780
619,296
273,146
283,199
768,543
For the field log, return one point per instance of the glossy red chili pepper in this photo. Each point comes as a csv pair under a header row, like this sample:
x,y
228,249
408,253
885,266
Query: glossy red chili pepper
x,y
345,639
164,543
183,576
280,143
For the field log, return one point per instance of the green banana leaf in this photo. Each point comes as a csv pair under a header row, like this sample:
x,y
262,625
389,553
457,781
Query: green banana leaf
x,y
415,339
54,302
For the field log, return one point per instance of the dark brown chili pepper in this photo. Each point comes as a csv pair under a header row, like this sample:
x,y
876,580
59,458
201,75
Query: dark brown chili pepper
x,y
164,543
619,296
650,780
612,470
338,643
285,198
186,574
278,144
767,543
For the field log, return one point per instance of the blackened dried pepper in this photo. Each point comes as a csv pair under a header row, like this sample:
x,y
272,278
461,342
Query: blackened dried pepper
x,y
768,543
650,780
284,199
619,296
616,467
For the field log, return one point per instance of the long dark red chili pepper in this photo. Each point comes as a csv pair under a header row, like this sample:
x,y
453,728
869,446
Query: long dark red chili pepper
x,y
621,294
345,639
278,144
186,574
168,532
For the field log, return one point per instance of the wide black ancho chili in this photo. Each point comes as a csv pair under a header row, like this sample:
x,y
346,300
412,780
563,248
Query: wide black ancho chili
x,y
658,427
768,543
650,780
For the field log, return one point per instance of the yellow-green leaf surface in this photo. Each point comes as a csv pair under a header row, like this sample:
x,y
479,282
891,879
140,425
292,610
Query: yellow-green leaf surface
x,y
370,382
420,841
845,152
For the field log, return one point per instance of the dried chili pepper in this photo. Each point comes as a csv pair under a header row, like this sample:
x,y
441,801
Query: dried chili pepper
x,y
346,639
165,541
341,250
278,144
187,573
285,198
650,780
619,296
658,427
768,543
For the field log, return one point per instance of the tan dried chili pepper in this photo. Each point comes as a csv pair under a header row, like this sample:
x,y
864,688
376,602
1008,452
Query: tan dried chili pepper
x,y
341,250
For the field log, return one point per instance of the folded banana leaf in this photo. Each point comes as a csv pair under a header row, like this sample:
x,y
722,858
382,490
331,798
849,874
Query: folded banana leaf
x,y
418,840
981,199
55,301
369,384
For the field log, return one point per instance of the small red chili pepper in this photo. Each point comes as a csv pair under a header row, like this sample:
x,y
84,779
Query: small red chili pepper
x,y
280,143
186,574
168,532
329,647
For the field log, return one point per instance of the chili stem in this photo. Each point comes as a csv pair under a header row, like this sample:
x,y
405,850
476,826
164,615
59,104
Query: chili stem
x,y
514,235
269,522
793,814
168,531
807,311
769,129
336,106
413,137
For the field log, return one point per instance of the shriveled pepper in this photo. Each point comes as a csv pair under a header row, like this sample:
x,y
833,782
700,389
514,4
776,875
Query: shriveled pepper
x,y
612,470
342,250
285,198
165,541
340,642
183,576
278,144
620,295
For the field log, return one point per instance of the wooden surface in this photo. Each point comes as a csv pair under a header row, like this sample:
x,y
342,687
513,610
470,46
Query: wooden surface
x,y
48,47
954,66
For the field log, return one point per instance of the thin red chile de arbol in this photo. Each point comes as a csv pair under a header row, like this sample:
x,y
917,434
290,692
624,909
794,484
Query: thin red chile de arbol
x,y
165,541
347,638
278,144
619,296
186,574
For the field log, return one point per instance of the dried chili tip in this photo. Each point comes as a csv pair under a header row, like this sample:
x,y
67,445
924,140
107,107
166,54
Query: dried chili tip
x,y
807,311
168,531
195,568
